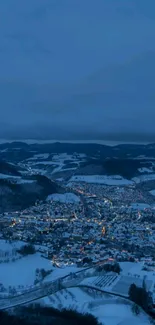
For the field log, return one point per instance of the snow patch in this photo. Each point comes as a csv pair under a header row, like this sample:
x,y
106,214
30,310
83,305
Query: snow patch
x,y
99,179
145,170
5,176
140,206
64,198
152,192
25,181
144,178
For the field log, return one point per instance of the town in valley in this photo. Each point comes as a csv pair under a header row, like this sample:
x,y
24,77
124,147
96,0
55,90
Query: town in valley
x,y
96,232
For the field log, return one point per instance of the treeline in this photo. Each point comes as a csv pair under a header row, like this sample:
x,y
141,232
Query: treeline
x,y
7,183
38,315
140,296
127,168
9,169
48,186
109,267
27,250
21,196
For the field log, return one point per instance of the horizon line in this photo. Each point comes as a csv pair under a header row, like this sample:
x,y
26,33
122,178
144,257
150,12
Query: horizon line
x,y
102,142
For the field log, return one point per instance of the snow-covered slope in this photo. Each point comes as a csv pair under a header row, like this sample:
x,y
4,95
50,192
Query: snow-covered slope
x,y
109,311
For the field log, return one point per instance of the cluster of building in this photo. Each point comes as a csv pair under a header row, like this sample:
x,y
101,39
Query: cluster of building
x,y
103,225
116,194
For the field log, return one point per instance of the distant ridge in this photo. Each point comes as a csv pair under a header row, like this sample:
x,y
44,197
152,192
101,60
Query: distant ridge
x,y
25,142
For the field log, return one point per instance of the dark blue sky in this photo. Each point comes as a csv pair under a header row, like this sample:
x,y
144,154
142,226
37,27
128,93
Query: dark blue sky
x,y
77,67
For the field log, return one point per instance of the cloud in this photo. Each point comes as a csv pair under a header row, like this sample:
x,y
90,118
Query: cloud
x,y
77,67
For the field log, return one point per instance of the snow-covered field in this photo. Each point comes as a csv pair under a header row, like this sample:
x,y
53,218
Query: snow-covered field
x,y
144,178
145,170
72,298
8,246
136,269
16,179
119,314
25,181
64,198
5,176
139,206
99,179
109,311
22,272
115,180
43,162
122,286
105,282
39,156
58,161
